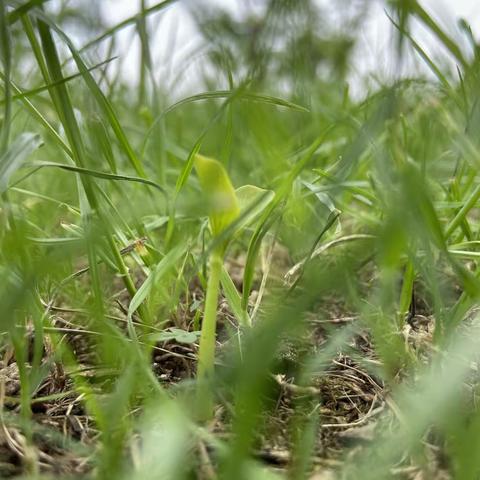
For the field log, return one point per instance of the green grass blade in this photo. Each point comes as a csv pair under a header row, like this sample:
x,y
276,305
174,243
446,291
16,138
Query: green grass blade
x,y
6,59
30,93
23,9
98,174
252,97
443,37
234,299
406,292
268,218
154,277
469,203
15,156
101,99
125,23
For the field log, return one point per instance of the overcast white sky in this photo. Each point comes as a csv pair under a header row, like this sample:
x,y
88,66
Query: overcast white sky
x,y
176,35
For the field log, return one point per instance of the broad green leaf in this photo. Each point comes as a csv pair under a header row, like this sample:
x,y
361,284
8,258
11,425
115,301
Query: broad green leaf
x,y
177,334
252,201
223,205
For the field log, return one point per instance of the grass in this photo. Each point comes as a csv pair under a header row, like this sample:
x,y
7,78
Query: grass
x,y
331,312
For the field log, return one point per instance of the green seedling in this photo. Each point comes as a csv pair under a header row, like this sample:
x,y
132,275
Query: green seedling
x,y
229,212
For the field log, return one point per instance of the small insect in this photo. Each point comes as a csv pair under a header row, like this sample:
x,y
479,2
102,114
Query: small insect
x,y
138,245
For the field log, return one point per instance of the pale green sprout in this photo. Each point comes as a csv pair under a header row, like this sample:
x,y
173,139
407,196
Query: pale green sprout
x,y
226,206
223,205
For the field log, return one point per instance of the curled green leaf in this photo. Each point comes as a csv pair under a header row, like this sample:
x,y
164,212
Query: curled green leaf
x,y
223,205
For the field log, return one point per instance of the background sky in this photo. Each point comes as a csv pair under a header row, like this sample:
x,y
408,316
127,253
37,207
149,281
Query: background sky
x,y
176,38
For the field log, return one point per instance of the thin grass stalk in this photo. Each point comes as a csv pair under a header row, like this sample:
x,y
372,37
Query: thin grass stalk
x,y
206,353
5,51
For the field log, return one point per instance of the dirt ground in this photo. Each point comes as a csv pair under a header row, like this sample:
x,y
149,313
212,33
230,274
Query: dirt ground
x,y
348,399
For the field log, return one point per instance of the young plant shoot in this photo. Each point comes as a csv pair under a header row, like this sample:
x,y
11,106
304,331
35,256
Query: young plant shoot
x,y
225,206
